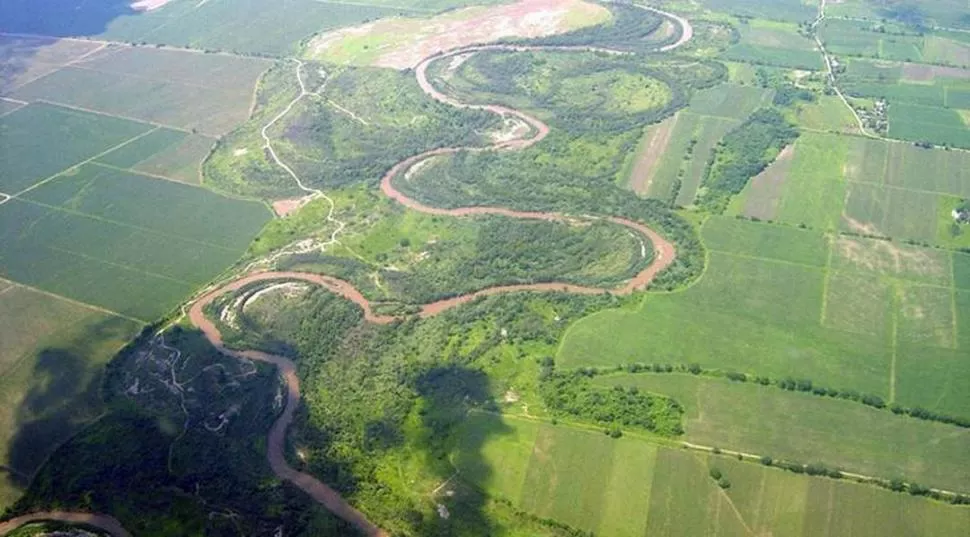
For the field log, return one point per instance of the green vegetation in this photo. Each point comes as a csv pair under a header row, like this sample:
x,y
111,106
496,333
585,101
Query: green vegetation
x,y
29,132
327,146
928,124
122,241
857,438
200,92
743,153
631,29
51,359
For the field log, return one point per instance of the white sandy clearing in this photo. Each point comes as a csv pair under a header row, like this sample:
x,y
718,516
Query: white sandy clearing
x,y
402,43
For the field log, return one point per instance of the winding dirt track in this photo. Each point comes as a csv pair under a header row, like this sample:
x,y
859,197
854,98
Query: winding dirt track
x,y
323,494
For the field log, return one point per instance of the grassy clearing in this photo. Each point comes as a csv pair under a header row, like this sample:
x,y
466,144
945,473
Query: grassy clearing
x,y
828,113
766,420
52,353
200,92
29,133
814,188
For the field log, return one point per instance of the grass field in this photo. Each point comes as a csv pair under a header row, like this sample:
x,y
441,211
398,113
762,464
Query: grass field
x,y
29,132
632,487
51,354
828,113
165,153
207,93
766,420
761,197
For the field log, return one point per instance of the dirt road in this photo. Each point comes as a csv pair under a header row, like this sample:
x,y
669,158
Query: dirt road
x,y
102,522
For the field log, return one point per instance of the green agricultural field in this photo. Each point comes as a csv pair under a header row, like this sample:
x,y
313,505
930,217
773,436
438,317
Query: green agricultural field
x,y
775,44
890,212
730,101
207,93
30,132
908,167
860,38
166,153
774,309
814,188
51,358
928,124
631,487
766,420
794,11
710,131
669,176
780,243
761,197
121,241
961,271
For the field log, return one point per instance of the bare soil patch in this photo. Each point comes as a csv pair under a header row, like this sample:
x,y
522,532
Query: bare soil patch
x,y
886,257
767,187
649,157
919,72
403,43
288,206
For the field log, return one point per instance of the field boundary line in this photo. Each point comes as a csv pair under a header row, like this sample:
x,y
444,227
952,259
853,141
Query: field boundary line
x,y
906,188
825,280
15,101
953,304
130,226
128,118
150,46
119,265
769,259
76,302
83,162
894,344
142,77
148,174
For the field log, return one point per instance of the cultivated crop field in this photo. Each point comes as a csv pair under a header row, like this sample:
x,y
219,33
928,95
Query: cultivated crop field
x,y
50,371
633,487
775,44
839,309
206,93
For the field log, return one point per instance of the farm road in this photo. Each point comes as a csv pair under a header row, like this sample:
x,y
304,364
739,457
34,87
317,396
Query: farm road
x,y
320,492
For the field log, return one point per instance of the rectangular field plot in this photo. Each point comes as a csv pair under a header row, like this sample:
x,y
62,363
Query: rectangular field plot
x,y
209,93
806,427
142,148
884,258
775,56
124,242
961,274
828,113
581,478
761,197
925,316
181,161
731,101
644,178
51,354
749,315
668,174
29,135
23,59
766,241
928,124
180,211
814,188
907,166
934,378
891,212
858,303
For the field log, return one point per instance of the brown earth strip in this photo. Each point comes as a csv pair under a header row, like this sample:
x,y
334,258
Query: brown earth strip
x,y
102,522
645,167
